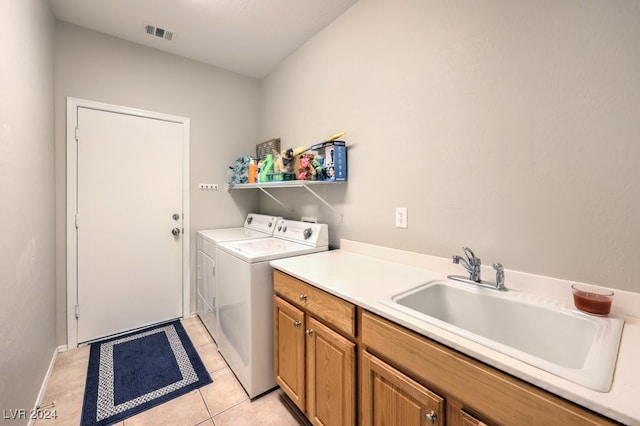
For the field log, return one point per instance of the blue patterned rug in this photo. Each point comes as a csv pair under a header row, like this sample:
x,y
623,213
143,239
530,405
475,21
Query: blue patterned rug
x,y
132,373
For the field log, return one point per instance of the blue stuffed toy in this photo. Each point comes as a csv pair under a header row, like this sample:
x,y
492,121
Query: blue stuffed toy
x,y
239,172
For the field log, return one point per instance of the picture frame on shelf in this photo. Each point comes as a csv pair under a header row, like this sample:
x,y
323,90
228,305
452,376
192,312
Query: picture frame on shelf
x,y
268,147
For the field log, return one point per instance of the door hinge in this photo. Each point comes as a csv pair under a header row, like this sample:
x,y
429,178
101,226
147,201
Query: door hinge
x,y
77,311
77,134
76,220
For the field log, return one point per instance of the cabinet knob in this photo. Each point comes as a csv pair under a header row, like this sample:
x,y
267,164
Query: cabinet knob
x,y
297,323
309,331
431,417
303,297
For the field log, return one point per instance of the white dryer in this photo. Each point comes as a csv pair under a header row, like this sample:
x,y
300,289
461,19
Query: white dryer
x,y
255,226
245,298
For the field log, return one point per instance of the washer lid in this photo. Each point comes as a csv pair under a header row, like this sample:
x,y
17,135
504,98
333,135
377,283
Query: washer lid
x,y
255,226
263,249
231,234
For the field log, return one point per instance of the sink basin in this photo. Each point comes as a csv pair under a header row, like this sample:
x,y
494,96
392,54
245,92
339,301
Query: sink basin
x,y
542,332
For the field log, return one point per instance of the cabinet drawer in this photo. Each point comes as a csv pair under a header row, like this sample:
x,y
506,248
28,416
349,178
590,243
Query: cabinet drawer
x,y
336,312
467,419
476,385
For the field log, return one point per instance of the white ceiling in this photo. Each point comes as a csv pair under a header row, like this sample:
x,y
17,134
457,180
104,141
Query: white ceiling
x,y
249,37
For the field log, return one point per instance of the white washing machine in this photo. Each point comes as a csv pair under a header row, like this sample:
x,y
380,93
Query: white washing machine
x,y
255,226
245,298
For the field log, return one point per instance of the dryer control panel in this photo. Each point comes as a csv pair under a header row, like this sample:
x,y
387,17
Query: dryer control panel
x,y
312,234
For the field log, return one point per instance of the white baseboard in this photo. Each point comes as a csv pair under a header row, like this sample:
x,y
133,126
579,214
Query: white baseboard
x,y
45,382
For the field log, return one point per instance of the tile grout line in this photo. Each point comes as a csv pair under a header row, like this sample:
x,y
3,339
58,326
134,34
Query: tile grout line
x,y
205,406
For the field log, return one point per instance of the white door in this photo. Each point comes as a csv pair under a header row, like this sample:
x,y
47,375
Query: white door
x,y
129,199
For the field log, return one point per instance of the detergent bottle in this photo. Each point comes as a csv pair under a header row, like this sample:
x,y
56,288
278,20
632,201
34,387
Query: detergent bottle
x,y
253,171
267,167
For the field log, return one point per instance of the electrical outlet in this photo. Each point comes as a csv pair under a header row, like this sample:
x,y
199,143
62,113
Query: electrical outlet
x,y
208,186
402,221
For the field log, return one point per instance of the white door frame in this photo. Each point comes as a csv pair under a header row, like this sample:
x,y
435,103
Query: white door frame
x,y
72,168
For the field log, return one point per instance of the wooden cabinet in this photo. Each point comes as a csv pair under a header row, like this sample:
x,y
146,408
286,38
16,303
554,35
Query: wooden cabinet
x,y
315,351
388,397
404,378
467,385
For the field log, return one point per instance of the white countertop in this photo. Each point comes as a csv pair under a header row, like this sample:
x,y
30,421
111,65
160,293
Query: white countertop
x,y
364,274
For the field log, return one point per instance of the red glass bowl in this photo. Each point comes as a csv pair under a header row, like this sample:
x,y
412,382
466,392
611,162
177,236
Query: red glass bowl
x,y
592,301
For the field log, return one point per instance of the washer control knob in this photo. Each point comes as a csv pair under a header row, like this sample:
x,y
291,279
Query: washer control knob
x,y
249,220
307,233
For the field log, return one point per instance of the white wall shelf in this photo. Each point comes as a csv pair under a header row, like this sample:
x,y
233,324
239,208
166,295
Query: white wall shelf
x,y
306,184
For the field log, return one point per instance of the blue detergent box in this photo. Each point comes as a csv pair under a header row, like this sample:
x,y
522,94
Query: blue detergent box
x,y
335,160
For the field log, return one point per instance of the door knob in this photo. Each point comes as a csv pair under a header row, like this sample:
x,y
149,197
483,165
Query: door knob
x,y
175,232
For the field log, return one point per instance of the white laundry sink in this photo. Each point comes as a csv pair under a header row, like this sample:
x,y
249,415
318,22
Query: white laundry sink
x,y
542,332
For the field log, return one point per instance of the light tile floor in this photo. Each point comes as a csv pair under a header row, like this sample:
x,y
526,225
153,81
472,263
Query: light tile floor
x,y
220,403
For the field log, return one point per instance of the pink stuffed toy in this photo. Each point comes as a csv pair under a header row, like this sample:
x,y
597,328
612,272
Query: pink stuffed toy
x,y
306,171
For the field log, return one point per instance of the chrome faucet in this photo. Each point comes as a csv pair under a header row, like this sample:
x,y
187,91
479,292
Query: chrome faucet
x,y
472,264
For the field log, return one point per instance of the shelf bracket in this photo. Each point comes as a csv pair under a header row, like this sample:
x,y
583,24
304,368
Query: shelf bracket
x,y
275,199
287,184
323,201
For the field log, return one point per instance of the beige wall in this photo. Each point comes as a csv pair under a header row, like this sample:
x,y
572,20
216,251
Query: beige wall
x,y
27,206
222,106
508,126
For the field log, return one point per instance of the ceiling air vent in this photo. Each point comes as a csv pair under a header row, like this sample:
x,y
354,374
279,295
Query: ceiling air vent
x,y
156,31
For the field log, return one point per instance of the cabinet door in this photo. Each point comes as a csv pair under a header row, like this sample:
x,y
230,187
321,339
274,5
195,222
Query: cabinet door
x,y
288,346
391,398
331,395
